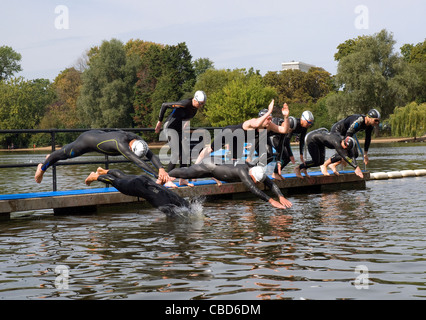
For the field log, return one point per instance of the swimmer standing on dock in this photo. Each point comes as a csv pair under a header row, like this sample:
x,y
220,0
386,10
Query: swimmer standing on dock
x,y
113,143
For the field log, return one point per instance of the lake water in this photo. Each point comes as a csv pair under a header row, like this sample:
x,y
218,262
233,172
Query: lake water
x,y
349,244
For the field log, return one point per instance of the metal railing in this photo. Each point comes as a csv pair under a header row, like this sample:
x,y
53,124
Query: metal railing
x,y
54,132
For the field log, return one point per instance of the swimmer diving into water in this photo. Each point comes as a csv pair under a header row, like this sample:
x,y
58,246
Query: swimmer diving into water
x,y
244,172
140,186
113,143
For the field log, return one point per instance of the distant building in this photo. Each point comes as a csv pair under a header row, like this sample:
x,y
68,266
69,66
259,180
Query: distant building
x,y
296,65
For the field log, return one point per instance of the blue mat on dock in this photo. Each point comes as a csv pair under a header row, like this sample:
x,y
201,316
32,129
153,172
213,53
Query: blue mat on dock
x,y
111,189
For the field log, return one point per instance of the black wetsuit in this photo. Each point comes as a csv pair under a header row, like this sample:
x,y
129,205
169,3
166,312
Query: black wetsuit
x,y
318,141
144,187
113,143
349,127
182,111
239,138
274,140
286,151
226,172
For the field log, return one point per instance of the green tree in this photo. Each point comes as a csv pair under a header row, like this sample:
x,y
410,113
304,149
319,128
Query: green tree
x,y
166,74
9,62
62,113
240,99
22,105
295,86
415,55
107,93
409,120
372,75
201,65
346,48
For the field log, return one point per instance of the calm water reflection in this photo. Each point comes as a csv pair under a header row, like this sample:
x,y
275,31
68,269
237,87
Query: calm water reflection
x,y
239,250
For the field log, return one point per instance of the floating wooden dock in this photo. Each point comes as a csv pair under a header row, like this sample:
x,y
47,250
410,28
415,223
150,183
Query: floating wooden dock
x,y
91,200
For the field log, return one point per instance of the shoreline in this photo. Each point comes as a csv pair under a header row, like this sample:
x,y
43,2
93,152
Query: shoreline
x,y
158,145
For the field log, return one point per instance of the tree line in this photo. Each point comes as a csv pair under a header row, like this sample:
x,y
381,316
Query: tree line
x,y
117,85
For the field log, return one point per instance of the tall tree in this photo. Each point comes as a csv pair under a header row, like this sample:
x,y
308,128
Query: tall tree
x,y
106,98
9,62
239,99
372,75
295,86
415,55
409,120
23,103
62,113
167,74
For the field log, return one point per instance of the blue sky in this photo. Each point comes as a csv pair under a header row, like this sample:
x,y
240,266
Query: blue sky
x,y
233,33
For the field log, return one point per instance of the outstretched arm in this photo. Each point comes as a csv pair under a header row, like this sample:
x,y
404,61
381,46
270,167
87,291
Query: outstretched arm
x,y
271,185
128,154
248,182
257,122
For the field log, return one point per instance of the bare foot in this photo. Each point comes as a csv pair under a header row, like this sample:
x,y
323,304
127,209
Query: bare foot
x,y
218,182
93,176
324,170
39,173
101,171
184,182
305,171
297,172
277,176
333,168
170,184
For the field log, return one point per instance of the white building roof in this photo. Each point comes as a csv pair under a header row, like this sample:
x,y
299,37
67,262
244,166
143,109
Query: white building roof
x,y
296,65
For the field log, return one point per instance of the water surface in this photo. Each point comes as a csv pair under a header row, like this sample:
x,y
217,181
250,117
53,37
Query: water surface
x,y
237,249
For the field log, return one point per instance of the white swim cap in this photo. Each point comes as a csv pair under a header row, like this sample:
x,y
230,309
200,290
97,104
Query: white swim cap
x,y
200,96
308,116
140,148
259,173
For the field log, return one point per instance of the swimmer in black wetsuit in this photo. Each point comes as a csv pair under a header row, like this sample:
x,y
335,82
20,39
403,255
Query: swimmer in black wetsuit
x,y
317,141
244,172
182,111
281,142
349,126
140,186
114,143
244,130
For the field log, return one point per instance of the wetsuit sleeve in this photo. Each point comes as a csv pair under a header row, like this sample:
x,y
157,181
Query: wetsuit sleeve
x,y
166,106
302,141
248,182
355,126
285,152
154,159
367,142
128,154
271,185
342,152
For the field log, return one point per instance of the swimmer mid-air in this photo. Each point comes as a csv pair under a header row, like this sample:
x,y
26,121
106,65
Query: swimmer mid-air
x,y
111,142
244,172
